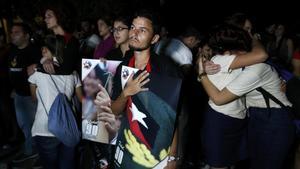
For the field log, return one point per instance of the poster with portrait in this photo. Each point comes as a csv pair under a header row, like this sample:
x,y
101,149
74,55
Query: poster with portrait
x,y
146,133
95,72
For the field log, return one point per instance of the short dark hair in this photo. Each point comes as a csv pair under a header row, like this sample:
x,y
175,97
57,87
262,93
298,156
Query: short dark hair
x,y
191,31
125,19
25,27
237,19
227,37
152,16
108,19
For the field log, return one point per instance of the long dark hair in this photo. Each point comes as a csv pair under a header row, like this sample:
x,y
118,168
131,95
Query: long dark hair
x,y
55,44
227,37
237,19
65,14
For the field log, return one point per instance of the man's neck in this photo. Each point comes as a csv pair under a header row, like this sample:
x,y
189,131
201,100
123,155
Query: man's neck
x,y
141,58
24,45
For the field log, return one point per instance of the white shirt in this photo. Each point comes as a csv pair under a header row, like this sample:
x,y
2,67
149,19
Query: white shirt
x,y
221,79
254,76
179,52
48,92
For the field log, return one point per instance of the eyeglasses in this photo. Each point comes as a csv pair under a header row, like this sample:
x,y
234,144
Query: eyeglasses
x,y
118,29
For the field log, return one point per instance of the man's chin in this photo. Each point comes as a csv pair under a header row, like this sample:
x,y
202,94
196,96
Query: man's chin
x,y
134,48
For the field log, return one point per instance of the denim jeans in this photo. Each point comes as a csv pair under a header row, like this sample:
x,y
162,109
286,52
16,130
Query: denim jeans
x,y
54,154
25,113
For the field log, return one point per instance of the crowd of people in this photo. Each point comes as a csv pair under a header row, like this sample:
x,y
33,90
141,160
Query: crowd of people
x,y
231,106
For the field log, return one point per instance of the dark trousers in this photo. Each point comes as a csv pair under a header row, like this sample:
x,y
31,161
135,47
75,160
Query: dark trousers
x,y
54,154
223,139
271,136
9,131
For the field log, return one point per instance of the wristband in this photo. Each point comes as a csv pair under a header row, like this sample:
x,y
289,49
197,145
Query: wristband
x,y
172,158
200,76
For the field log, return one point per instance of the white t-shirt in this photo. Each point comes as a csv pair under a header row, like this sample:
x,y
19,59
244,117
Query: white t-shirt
x,y
179,52
254,76
48,92
221,79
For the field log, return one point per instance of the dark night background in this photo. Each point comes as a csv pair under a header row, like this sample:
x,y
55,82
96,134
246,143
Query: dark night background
x,y
175,13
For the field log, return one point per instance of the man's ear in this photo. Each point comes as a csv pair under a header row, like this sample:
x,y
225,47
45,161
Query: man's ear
x,y
155,39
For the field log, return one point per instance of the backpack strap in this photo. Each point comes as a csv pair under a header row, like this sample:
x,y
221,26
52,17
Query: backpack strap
x,y
268,96
55,84
43,103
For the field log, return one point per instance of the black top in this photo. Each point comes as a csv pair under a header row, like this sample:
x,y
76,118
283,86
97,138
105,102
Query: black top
x,y
71,58
116,54
159,64
19,60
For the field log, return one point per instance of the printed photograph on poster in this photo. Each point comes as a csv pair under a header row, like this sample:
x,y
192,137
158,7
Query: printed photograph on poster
x,y
95,73
147,129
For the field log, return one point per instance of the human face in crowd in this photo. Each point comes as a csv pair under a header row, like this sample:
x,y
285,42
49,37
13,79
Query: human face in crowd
x,y
85,26
279,31
248,26
103,28
163,32
90,84
192,42
141,34
121,32
206,51
271,29
18,37
50,19
46,52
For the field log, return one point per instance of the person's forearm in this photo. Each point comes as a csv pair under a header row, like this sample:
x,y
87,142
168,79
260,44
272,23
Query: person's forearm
x,y
218,97
258,52
210,89
33,92
79,94
257,55
119,104
296,67
173,148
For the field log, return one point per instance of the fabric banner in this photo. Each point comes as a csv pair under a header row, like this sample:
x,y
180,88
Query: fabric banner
x,y
147,128
95,72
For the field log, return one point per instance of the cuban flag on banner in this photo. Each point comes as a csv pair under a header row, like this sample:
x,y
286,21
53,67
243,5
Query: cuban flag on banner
x,y
147,131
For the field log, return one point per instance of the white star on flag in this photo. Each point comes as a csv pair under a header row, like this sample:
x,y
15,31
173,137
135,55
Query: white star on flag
x,y
138,115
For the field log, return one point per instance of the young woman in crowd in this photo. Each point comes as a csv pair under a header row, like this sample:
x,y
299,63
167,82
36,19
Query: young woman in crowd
x,y
271,131
53,153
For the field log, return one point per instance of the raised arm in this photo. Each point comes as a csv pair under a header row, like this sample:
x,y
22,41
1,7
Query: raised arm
x,y
79,93
296,67
257,55
173,152
218,97
33,92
